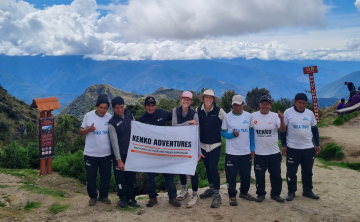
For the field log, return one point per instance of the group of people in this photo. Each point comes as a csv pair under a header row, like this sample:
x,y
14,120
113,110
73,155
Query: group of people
x,y
249,138
354,97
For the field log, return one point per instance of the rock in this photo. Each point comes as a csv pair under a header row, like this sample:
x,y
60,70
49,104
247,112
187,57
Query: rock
x,y
141,211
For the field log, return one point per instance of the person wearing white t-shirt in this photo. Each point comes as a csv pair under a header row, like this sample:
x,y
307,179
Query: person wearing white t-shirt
x,y
264,126
235,129
97,152
298,146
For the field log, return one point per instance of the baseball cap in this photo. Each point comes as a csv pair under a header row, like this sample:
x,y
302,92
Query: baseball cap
x,y
266,98
187,94
238,99
149,100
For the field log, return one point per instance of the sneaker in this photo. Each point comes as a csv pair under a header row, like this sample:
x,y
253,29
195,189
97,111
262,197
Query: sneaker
x,y
193,200
207,193
152,202
133,203
122,203
216,202
278,199
311,195
104,200
232,201
175,202
183,194
260,198
247,196
290,196
92,202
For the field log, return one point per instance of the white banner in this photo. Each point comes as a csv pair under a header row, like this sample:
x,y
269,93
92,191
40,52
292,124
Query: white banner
x,y
162,149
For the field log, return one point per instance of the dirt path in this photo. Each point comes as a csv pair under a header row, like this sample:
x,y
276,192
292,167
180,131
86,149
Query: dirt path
x,y
347,136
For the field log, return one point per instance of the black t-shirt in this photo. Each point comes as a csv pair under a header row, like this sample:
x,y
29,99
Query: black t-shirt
x,y
157,118
351,86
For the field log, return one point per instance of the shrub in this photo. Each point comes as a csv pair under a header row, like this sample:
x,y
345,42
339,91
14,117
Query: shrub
x,y
15,156
331,151
339,121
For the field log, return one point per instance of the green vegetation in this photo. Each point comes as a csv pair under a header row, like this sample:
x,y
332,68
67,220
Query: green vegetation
x,y
341,119
57,208
4,186
58,194
353,166
128,209
31,205
2,204
18,156
331,152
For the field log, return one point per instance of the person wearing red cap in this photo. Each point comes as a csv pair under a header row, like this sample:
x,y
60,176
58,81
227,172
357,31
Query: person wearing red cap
x,y
184,115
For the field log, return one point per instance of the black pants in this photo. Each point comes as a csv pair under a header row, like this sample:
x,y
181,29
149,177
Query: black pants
x,y
352,93
211,162
125,181
194,181
234,165
92,165
169,183
273,164
304,157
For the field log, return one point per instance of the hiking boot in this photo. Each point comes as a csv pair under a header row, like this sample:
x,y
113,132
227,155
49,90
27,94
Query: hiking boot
x,y
122,203
183,194
175,202
290,196
104,200
232,201
278,199
207,193
92,202
311,195
193,200
152,202
247,196
216,202
260,198
133,203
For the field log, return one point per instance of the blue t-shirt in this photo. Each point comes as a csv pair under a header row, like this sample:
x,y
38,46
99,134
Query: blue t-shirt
x,y
340,106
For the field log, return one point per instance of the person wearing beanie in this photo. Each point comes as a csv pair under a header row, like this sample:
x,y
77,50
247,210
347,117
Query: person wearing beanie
x,y
352,89
298,146
235,129
184,115
210,120
158,117
120,132
264,126
97,152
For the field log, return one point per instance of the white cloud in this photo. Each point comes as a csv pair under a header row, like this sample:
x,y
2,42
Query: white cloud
x,y
353,44
357,4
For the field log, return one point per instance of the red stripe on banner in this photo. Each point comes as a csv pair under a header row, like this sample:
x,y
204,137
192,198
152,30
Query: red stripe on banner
x,y
158,154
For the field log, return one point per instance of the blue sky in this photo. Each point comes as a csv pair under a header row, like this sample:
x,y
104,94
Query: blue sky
x,y
188,29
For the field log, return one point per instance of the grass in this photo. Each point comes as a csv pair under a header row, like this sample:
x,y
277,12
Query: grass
x,y
57,208
4,186
324,166
2,204
326,122
31,205
58,194
142,197
28,174
346,165
128,209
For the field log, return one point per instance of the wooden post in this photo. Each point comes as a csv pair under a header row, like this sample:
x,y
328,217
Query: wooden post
x,y
311,70
42,161
49,160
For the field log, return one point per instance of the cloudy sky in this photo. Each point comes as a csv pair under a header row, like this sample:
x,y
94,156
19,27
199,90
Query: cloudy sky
x,y
182,29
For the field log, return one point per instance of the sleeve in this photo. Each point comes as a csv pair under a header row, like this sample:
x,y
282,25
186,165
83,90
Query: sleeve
x,y
227,135
283,138
252,140
313,120
315,132
114,141
286,117
224,125
84,122
196,118
175,122
222,114
169,116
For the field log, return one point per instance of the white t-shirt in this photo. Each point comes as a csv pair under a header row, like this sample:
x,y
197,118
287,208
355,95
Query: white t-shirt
x,y
299,128
239,145
97,143
265,132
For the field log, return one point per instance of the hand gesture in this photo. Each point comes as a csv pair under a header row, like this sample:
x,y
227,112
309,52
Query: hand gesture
x,y
280,115
92,128
236,134
199,157
193,122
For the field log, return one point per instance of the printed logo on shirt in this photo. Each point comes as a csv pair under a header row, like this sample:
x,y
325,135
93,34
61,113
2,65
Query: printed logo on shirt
x,y
255,122
263,133
246,122
271,123
306,119
160,119
106,123
98,132
300,126
118,124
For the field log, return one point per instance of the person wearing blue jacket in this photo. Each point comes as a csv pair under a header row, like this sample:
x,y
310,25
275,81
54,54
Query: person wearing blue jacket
x,y
235,128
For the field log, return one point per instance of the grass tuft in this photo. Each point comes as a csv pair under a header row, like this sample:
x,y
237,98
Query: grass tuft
x,y
31,205
44,191
2,204
57,208
4,186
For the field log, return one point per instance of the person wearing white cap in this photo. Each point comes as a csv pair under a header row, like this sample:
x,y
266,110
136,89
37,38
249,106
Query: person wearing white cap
x,y
184,115
210,120
235,129
264,126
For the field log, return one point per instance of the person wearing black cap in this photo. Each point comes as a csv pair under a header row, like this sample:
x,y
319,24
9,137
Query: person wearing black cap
x,y
264,126
158,117
298,146
120,131
352,89
97,152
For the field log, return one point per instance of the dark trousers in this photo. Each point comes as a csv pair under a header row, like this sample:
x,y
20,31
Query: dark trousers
x,y
169,183
211,162
273,164
194,181
234,165
92,165
304,157
352,93
125,181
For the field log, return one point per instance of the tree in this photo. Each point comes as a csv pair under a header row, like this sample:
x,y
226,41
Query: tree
x,y
226,100
253,97
281,104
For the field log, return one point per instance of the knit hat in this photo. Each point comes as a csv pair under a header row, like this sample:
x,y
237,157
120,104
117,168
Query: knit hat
x,y
301,96
117,101
102,99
